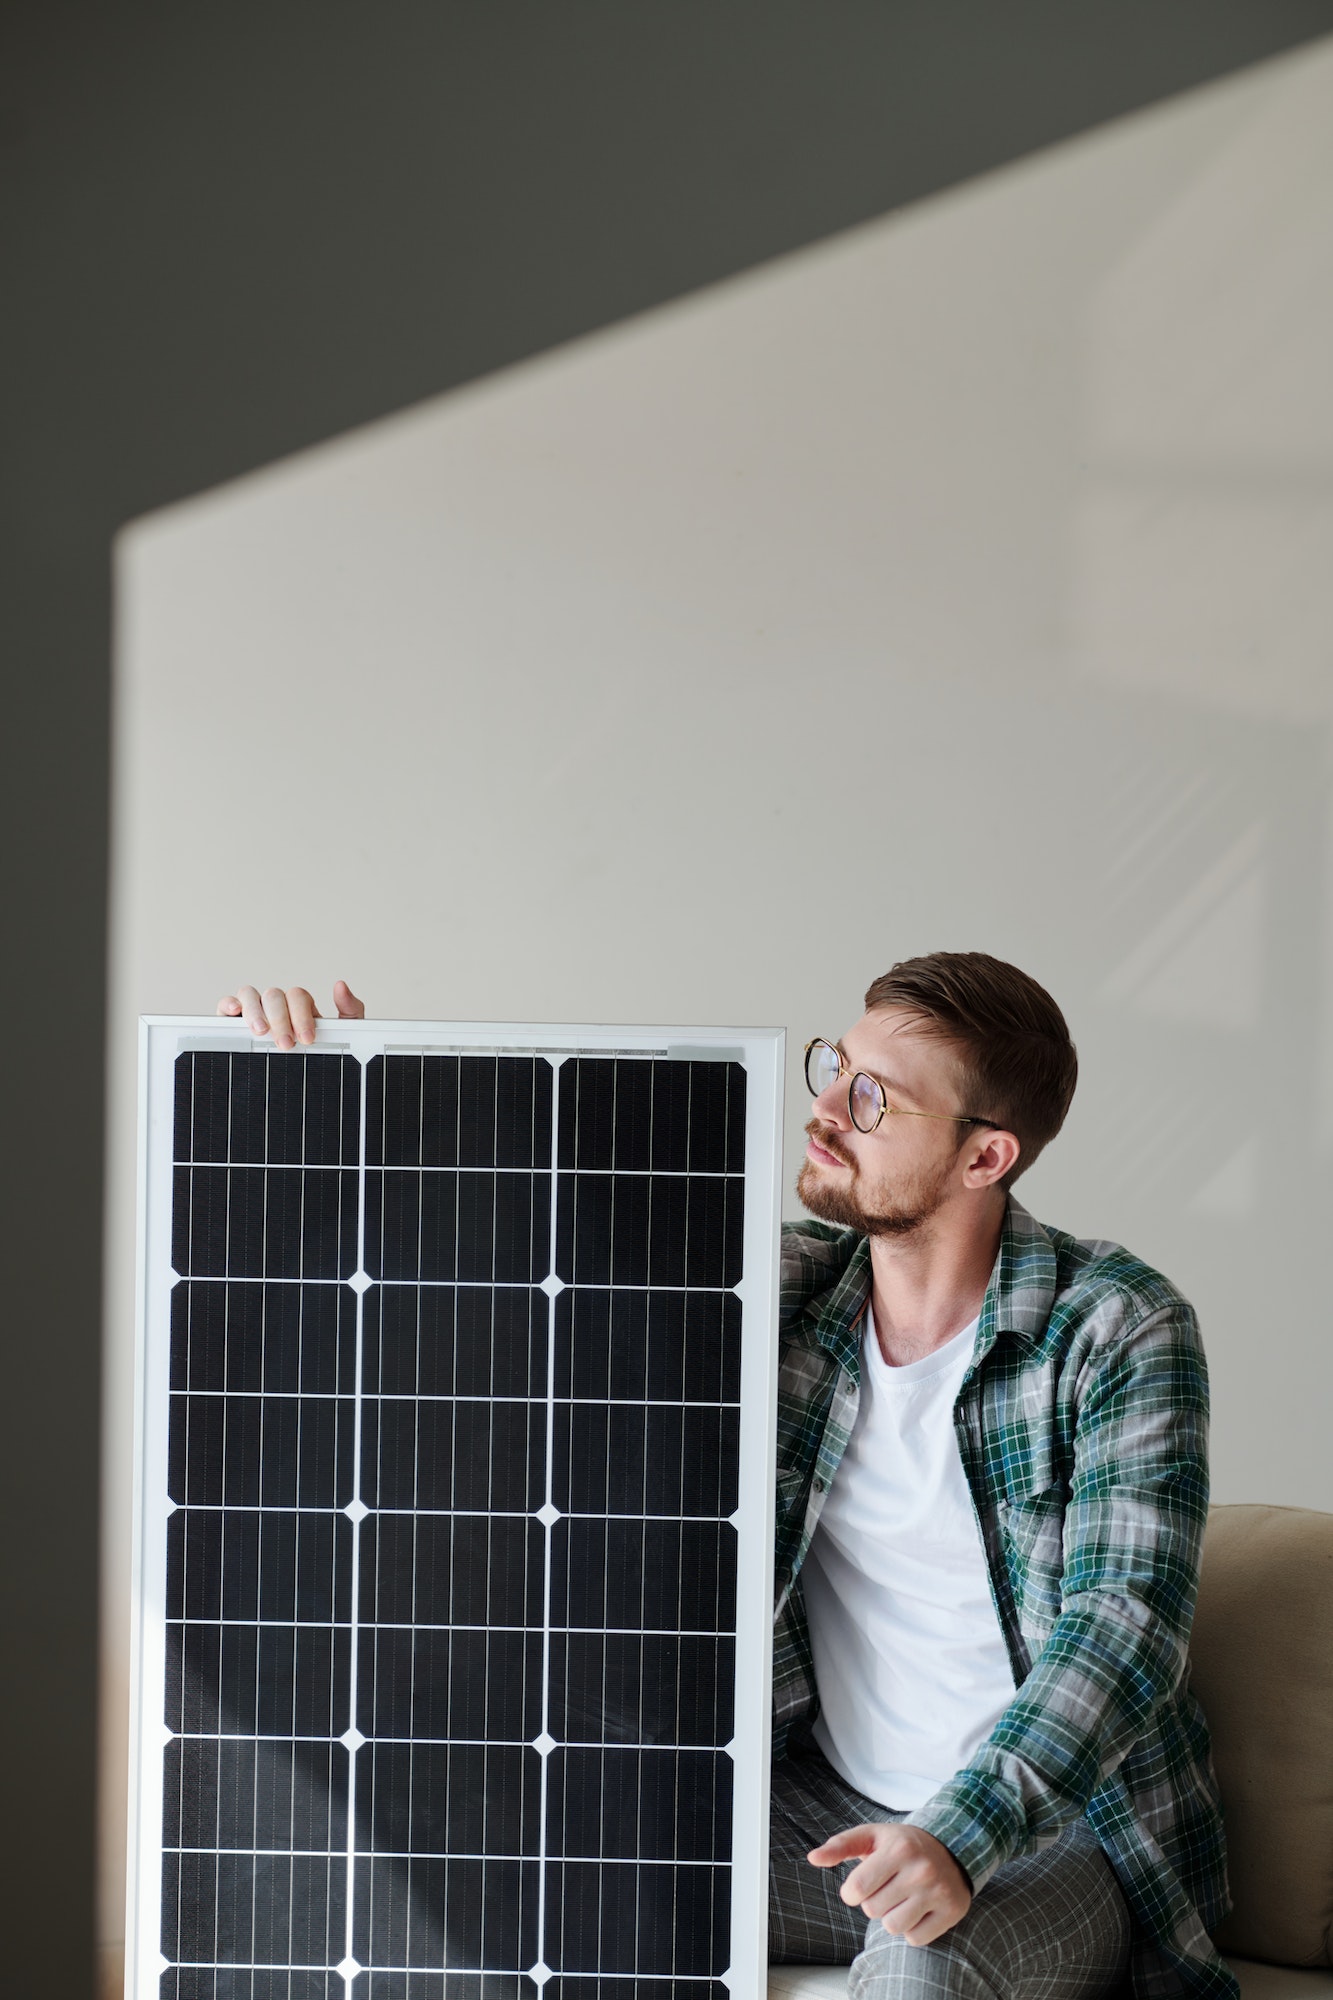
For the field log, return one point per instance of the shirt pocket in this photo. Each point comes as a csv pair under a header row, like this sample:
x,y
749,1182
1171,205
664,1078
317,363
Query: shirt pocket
x,y
1033,1527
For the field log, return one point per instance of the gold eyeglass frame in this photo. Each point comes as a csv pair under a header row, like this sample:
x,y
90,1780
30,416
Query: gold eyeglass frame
x,y
886,1110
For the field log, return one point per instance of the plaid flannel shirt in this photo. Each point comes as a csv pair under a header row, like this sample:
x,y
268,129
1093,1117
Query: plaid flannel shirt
x,y
1082,1424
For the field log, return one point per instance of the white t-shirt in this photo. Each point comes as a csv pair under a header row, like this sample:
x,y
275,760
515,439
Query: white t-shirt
x,y
910,1661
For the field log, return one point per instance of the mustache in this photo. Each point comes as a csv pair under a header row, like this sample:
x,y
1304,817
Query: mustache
x,y
824,1136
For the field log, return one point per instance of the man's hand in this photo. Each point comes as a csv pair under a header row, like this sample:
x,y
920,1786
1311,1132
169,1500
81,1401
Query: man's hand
x,y
291,1016
907,1878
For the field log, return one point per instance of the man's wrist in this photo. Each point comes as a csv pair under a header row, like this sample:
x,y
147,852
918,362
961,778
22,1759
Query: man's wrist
x,y
976,1820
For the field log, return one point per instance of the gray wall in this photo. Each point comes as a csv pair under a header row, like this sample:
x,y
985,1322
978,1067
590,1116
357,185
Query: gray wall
x,y
965,581
228,234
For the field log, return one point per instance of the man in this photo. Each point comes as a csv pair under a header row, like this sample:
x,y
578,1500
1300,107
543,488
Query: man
x,y
992,1486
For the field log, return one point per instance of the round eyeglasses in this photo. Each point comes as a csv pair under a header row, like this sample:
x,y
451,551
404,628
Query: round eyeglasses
x,y
867,1105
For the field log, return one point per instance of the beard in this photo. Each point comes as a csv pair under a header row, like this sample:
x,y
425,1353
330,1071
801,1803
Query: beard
x,y
877,1208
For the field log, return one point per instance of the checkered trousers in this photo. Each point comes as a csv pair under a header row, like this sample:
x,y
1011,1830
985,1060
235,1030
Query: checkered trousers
x,y
1047,1926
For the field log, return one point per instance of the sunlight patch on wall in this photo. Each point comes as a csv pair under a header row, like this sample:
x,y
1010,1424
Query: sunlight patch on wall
x,y
1203,961
1234,1189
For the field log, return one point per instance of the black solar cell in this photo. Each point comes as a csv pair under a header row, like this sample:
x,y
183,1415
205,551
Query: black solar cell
x,y
283,1338
469,1685
649,1229
658,1347
443,1340
638,1916
637,1687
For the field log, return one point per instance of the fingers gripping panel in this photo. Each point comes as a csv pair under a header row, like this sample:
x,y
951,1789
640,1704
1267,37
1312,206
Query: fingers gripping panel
x,y
451,1571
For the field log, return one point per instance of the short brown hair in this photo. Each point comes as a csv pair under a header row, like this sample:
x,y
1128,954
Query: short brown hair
x,y
1019,1066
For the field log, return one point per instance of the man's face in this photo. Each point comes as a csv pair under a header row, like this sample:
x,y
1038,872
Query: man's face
x,y
891,1181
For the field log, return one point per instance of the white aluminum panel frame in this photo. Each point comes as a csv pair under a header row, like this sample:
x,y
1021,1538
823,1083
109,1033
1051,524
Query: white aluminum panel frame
x,y
761,1051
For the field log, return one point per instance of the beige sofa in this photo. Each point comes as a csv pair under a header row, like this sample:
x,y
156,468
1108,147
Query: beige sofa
x,y
1262,1663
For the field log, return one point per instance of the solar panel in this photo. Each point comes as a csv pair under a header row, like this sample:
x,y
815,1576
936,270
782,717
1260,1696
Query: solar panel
x,y
455,1502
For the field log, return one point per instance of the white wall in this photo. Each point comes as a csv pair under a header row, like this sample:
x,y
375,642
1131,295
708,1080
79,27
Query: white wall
x,y
966,582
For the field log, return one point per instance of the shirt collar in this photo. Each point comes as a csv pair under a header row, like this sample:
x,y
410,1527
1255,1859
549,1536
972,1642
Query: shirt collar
x,y
1022,1284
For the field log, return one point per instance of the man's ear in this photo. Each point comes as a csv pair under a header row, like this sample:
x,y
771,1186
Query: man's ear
x,y
991,1154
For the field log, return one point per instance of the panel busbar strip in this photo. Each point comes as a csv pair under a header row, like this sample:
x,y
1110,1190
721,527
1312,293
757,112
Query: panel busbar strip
x,y
445,1696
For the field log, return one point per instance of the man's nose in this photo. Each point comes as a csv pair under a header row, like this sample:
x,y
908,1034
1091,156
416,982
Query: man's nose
x,y
833,1106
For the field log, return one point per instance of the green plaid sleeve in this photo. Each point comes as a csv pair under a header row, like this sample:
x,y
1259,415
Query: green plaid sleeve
x,y
1116,1559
